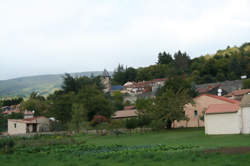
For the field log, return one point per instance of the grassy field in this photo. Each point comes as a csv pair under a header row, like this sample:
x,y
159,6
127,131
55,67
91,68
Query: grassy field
x,y
179,147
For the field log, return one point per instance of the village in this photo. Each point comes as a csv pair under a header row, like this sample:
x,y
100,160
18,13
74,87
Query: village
x,y
120,83
220,108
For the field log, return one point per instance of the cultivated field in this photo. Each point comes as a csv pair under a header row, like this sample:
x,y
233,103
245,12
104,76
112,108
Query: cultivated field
x,y
173,147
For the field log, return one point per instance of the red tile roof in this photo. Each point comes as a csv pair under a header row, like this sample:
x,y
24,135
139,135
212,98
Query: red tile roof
x,y
238,92
222,108
222,98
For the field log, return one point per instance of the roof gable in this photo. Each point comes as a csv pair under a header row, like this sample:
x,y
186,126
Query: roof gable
x,y
221,98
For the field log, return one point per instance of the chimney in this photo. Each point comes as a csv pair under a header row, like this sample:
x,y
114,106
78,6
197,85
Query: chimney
x,y
219,92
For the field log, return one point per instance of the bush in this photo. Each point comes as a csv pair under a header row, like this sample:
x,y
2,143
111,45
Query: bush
x,y
246,84
131,124
7,145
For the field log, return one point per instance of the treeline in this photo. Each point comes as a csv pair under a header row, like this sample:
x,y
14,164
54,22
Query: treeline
x,y
228,64
12,101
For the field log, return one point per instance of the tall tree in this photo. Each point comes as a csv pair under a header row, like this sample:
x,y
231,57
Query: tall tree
x,y
164,58
182,61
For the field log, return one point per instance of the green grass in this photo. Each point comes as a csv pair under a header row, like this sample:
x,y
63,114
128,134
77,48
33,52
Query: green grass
x,y
135,158
173,137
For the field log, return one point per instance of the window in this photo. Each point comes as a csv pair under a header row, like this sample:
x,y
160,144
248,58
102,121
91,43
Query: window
x,y
15,125
195,113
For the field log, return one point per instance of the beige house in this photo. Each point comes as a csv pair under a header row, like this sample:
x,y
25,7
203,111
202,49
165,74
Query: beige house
x,y
28,125
195,112
228,118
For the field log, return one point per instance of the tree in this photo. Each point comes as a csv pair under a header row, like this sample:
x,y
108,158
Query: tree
x,y
130,74
164,58
170,106
60,107
94,101
117,99
182,61
178,84
37,96
78,116
40,107
119,76
246,84
131,124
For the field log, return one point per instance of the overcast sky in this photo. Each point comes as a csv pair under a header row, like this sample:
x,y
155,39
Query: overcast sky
x,y
58,36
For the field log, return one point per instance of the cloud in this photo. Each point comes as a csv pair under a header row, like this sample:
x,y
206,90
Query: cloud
x,y
80,35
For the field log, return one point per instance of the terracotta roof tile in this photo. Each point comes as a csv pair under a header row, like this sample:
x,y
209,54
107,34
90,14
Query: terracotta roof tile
x,y
238,92
222,98
222,108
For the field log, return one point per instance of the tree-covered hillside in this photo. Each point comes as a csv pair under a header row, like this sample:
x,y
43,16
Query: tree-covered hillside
x,y
228,64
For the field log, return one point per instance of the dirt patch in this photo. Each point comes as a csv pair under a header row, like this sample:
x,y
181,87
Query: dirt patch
x,y
229,150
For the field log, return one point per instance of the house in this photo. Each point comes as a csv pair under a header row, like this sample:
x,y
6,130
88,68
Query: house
x,y
222,119
143,89
128,112
144,86
8,110
228,118
237,94
226,86
212,89
195,112
28,125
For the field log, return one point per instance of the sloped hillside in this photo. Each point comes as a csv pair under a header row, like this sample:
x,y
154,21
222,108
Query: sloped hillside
x,y
45,84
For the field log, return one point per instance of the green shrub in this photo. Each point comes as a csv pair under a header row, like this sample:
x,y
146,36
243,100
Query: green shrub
x,y
7,145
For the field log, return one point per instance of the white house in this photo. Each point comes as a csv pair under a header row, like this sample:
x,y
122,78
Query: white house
x,y
228,118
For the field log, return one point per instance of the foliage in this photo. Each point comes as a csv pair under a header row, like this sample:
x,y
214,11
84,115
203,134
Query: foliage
x,y
164,58
246,84
178,84
12,101
75,84
131,123
6,145
78,116
228,64
98,119
122,75
170,106
117,99
95,102
32,104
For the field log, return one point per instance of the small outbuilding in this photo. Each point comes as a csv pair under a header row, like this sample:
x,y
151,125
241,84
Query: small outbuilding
x,y
28,125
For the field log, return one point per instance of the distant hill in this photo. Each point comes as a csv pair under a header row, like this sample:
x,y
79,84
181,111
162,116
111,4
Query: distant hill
x,y
45,84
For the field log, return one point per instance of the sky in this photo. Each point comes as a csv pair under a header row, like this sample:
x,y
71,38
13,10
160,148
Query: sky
x,y
57,36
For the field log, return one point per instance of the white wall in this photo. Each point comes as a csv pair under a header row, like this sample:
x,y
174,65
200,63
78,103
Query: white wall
x,y
226,123
19,129
246,120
